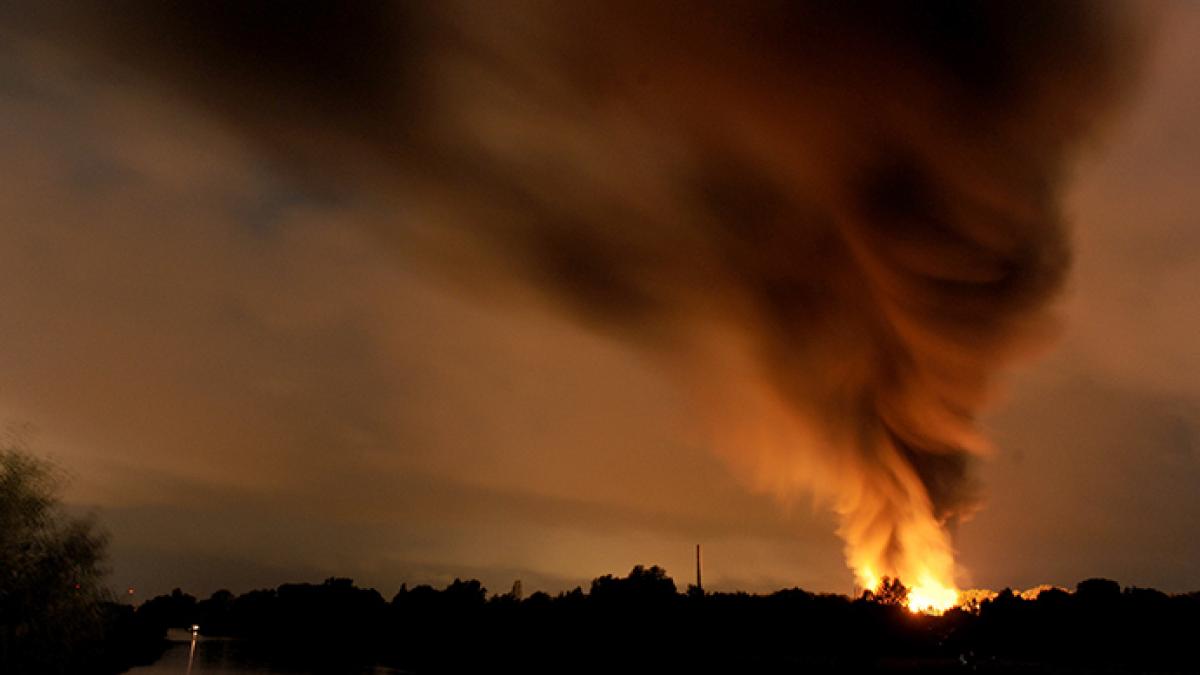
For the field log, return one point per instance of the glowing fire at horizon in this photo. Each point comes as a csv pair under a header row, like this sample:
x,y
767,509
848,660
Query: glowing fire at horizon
x,y
887,516
932,598
928,596
891,531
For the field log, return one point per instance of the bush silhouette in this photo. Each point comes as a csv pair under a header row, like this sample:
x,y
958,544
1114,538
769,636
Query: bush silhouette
x,y
52,602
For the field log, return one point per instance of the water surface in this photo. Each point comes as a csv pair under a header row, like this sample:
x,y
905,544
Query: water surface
x,y
216,656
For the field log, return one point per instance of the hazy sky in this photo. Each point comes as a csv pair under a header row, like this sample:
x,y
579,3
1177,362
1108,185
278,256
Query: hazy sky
x,y
250,387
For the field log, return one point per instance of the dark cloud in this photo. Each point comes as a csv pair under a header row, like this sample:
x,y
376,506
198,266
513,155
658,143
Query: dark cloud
x,y
867,195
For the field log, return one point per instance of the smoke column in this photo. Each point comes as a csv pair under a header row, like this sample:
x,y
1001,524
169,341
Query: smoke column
x,y
840,220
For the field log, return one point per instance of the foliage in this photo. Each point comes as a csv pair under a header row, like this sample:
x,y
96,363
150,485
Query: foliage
x,y
891,592
640,623
52,608
644,585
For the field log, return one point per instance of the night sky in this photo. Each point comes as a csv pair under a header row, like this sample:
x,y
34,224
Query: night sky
x,y
244,332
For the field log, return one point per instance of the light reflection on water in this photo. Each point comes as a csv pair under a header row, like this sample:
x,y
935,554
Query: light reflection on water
x,y
214,656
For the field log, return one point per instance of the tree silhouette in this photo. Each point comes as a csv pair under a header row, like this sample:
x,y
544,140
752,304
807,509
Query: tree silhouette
x,y
51,596
635,624
644,584
890,592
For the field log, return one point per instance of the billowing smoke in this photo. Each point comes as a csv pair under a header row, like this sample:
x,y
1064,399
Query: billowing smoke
x,y
858,201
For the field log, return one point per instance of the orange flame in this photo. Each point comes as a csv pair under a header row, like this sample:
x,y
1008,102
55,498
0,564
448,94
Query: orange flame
x,y
890,530
886,515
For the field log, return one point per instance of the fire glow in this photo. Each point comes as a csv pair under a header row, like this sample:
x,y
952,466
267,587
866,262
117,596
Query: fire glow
x,y
892,530
875,214
931,597
928,596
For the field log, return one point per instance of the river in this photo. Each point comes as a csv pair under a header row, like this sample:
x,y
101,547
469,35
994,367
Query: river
x,y
217,656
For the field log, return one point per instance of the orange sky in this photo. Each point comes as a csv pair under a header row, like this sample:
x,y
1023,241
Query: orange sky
x,y
250,393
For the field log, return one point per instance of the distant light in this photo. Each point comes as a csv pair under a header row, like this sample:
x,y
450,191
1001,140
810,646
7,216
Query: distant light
x,y
195,628
129,591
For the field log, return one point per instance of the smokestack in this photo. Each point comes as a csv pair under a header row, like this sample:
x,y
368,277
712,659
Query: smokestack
x,y
699,582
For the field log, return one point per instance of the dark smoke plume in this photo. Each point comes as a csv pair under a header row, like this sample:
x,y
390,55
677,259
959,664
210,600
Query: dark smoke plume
x,y
863,197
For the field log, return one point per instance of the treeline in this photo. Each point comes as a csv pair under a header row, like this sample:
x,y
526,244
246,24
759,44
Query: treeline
x,y
642,623
88,637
